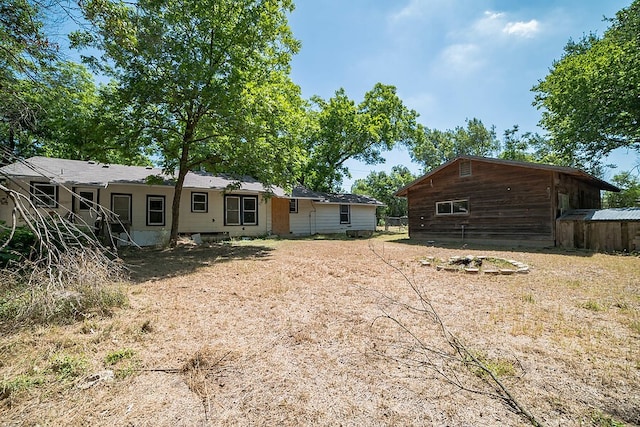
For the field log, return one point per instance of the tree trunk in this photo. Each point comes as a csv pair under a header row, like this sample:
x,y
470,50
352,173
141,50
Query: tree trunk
x,y
183,169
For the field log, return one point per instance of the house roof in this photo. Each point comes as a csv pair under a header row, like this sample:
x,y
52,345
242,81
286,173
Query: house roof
x,y
90,173
611,214
577,173
300,192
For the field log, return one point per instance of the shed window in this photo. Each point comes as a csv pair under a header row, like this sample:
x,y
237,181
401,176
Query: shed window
x,y
293,205
155,210
199,202
241,210
345,214
465,168
44,194
452,207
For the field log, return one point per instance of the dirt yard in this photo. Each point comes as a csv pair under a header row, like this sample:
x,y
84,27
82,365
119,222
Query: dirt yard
x,y
308,332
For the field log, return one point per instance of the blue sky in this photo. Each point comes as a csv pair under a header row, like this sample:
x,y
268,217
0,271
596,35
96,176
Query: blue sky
x,y
449,59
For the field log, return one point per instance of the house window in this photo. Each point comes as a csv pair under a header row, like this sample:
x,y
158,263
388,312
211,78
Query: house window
x,y
155,210
241,210
345,214
293,205
86,200
465,167
121,207
44,195
452,207
199,202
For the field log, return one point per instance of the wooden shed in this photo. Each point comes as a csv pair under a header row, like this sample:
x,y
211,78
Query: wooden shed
x,y
485,200
600,230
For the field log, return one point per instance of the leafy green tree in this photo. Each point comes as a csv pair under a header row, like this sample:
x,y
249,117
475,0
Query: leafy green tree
x,y
205,82
438,147
382,186
340,130
24,50
629,195
589,100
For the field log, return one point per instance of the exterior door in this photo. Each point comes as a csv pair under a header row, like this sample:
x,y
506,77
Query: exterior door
x,y
86,202
280,216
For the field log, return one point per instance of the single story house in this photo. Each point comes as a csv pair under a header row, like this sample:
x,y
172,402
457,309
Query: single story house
x,y
216,206
141,197
324,213
485,200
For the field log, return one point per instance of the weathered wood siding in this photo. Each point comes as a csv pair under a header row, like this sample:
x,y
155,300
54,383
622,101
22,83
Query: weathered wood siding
x,y
505,203
607,236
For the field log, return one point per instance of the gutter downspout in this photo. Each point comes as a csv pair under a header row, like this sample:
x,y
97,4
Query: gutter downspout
x,y
315,218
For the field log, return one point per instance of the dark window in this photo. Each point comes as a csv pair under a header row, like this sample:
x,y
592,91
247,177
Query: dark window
x,y
293,205
452,207
241,210
199,202
121,207
155,210
44,194
86,200
345,214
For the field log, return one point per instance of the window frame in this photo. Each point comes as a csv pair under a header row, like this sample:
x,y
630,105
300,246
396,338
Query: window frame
x,y
242,210
86,204
130,213
205,202
41,199
293,205
163,211
451,211
347,213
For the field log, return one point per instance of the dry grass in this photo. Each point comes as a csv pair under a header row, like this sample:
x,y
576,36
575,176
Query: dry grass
x,y
273,332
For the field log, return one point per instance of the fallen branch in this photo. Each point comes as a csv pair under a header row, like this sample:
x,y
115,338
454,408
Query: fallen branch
x,y
454,351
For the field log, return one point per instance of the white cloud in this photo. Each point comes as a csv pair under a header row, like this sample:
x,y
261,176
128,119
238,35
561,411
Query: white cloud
x,y
465,57
523,29
494,24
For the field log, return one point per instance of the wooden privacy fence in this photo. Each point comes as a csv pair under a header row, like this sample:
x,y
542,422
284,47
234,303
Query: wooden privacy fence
x,y
605,230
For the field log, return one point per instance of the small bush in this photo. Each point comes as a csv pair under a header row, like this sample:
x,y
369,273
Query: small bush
x,y
22,382
20,246
114,357
68,367
593,306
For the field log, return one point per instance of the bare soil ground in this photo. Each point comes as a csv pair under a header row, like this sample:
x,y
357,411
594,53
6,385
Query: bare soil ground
x,y
289,332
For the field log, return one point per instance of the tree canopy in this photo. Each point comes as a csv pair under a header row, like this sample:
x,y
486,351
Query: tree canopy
x,y
205,83
437,147
590,100
341,130
382,186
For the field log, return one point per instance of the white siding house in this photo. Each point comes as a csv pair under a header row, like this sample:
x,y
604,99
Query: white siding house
x,y
141,197
323,213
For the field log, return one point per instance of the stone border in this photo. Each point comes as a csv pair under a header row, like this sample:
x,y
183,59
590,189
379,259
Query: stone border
x,y
473,265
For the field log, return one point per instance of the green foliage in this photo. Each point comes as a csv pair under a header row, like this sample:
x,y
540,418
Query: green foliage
x,y
22,382
593,306
628,196
67,366
438,147
205,83
382,186
498,367
114,357
600,419
341,130
19,247
589,100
